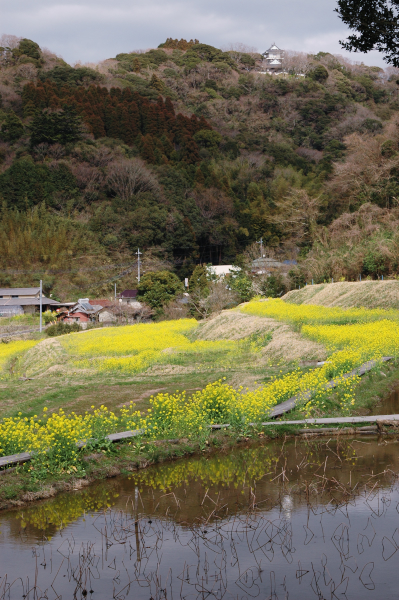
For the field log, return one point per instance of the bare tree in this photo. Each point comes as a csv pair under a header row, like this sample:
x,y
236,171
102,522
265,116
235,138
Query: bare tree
x,y
241,48
297,216
88,178
103,157
213,203
217,298
296,63
129,177
367,169
27,71
124,312
176,310
9,41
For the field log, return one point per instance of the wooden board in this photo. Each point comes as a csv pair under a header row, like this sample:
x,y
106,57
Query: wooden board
x,y
278,411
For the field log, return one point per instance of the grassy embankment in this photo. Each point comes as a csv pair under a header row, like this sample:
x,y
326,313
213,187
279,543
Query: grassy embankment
x,y
269,346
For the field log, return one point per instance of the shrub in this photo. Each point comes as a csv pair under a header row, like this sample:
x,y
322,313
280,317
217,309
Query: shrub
x,y
159,288
62,329
48,316
320,73
273,286
242,286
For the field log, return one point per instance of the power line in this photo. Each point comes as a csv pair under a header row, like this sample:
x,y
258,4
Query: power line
x,y
53,272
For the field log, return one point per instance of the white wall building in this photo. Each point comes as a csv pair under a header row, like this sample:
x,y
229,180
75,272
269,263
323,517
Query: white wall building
x,y
274,59
220,271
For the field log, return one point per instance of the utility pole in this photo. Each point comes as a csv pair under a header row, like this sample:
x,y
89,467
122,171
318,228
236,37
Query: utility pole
x,y
41,303
115,291
261,247
138,253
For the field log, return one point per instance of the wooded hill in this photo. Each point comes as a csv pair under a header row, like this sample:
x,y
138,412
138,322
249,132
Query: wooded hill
x,y
192,154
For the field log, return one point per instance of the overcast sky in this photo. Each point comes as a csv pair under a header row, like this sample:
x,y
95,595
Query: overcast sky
x,y
92,30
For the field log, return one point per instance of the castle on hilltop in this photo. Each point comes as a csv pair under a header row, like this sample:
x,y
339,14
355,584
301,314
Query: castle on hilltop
x,y
274,59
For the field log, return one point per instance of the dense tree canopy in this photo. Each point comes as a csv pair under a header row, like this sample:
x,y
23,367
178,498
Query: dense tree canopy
x,y
376,26
191,154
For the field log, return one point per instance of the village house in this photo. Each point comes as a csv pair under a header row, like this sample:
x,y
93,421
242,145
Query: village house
x,y
17,301
220,271
82,312
128,297
262,266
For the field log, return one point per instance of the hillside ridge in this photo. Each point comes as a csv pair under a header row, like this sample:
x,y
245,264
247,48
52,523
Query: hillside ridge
x,y
193,154
367,294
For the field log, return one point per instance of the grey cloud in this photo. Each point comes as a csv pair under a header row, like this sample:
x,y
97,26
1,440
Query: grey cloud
x,y
93,30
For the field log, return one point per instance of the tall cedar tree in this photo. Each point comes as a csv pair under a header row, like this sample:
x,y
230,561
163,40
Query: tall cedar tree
x,y
118,114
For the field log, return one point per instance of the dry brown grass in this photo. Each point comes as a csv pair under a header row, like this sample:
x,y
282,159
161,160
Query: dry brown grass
x,y
347,294
233,325
44,355
286,345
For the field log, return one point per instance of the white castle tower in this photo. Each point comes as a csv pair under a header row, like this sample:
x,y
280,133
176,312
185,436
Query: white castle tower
x,y
274,59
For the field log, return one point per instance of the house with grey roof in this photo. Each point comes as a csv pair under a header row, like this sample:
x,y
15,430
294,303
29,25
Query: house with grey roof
x,y
23,300
82,312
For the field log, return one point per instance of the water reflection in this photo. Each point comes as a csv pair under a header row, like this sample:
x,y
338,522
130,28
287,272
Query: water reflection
x,y
388,406
295,520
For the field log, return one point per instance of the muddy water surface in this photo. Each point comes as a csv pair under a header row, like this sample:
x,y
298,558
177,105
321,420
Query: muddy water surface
x,y
298,520
388,406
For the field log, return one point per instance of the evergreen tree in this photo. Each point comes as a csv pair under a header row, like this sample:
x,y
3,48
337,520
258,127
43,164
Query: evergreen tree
x,y
29,48
63,127
148,150
199,280
29,109
159,288
169,107
190,154
156,83
12,128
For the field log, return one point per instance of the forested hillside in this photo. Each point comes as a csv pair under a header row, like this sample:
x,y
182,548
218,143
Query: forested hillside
x,y
192,154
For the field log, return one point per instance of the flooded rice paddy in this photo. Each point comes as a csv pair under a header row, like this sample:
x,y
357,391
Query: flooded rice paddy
x,y
300,520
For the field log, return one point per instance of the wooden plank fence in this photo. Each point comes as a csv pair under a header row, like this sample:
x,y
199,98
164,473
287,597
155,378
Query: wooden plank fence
x,y
278,411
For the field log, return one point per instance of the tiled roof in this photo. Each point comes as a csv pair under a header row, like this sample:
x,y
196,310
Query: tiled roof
x,y
102,303
128,294
19,291
27,301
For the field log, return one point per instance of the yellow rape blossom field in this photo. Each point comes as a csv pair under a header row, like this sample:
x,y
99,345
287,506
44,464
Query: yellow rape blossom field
x,y
350,337
14,349
132,349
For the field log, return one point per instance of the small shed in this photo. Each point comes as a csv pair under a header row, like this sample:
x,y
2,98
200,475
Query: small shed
x,y
128,296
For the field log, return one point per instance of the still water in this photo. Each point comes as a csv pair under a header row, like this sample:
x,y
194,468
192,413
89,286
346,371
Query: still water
x,y
299,520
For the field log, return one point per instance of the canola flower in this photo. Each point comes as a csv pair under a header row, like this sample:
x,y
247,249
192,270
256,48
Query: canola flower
x,y
300,314
369,340
134,348
351,337
53,438
14,349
